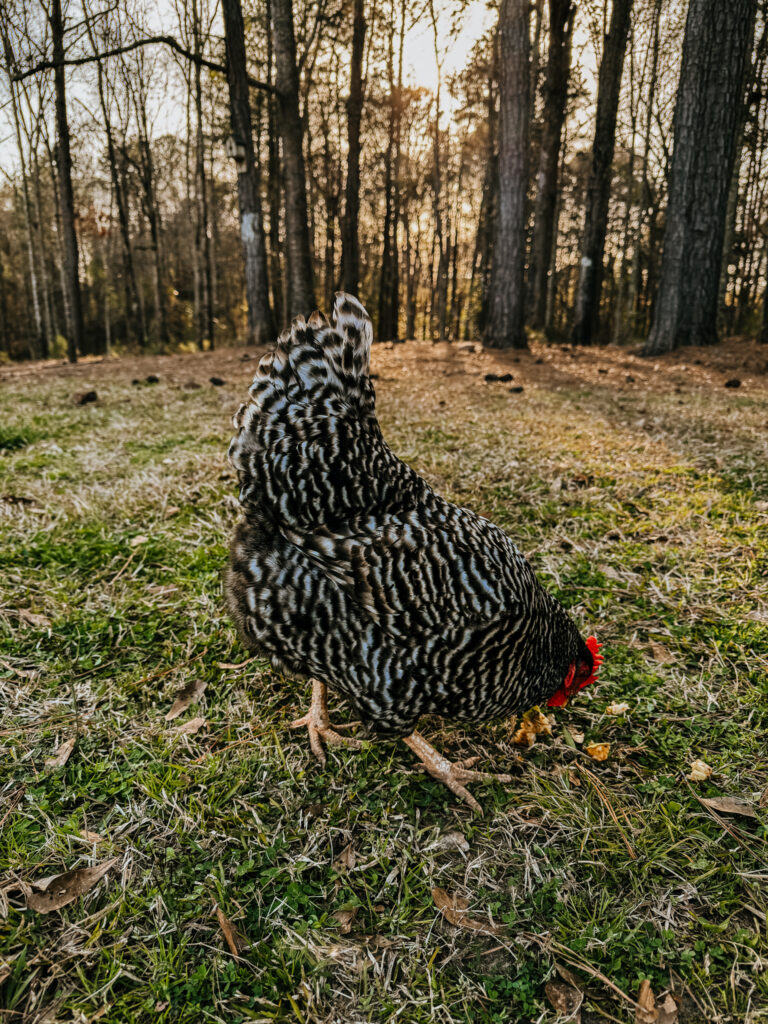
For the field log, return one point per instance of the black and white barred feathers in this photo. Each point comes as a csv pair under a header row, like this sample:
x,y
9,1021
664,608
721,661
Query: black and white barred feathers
x,y
348,567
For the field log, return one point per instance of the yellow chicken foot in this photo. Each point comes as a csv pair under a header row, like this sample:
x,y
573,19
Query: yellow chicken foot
x,y
319,724
452,775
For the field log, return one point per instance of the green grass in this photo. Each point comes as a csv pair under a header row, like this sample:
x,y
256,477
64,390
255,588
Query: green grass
x,y
645,512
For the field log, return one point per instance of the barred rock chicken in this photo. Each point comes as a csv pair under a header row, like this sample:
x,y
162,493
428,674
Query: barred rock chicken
x,y
349,569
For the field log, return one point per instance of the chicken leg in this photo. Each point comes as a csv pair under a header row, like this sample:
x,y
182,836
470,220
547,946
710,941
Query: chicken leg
x,y
452,775
319,724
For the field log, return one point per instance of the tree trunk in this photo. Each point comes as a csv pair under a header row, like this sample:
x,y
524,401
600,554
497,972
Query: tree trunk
x,y
261,326
506,325
66,196
350,241
275,269
389,285
599,190
480,284
716,45
202,235
645,193
555,97
300,287
132,314
30,223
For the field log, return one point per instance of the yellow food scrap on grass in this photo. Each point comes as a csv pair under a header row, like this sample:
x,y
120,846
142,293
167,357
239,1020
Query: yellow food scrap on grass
x,y
700,771
598,751
618,708
533,724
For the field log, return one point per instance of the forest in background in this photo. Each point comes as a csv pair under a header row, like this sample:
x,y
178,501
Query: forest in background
x,y
194,172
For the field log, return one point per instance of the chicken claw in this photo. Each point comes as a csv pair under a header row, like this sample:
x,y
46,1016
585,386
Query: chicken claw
x,y
319,725
450,774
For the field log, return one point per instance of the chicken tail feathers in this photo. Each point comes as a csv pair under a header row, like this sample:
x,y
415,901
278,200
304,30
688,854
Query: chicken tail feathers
x,y
312,407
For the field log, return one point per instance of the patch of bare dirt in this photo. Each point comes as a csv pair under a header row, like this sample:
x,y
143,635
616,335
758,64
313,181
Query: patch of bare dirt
x,y
545,366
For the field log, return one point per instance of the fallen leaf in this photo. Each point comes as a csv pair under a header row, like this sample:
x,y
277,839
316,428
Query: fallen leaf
x,y
598,751
61,756
449,841
564,999
33,619
700,771
533,724
189,694
346,919
346,859
454,910
63,889
667,1011
228,931
568,976
577,737
619,708
730,805
645,1011
661,654
188,728
91,837
573,777
171,511
161,590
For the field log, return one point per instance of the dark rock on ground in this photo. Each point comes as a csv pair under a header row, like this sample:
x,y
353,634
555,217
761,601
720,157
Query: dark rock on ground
x,y
85,398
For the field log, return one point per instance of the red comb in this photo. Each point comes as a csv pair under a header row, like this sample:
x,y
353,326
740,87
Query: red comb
x,y
571,685
597,658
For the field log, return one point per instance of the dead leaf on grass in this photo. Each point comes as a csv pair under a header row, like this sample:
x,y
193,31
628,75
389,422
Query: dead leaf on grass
x,y
449,841
346,919
645,1011
91,837
564,999
189,694
229,932
700,771
139,539
161,589
598,751
61,756
66,887
33,619
730,805
189,728
346,859
667,1011
454,910
661,654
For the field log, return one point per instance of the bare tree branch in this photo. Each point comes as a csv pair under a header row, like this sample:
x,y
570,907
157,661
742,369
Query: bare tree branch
x,y
46,65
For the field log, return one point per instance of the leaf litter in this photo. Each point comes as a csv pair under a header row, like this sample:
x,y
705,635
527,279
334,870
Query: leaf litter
x,y
66,887
61,756
454,910
189,694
